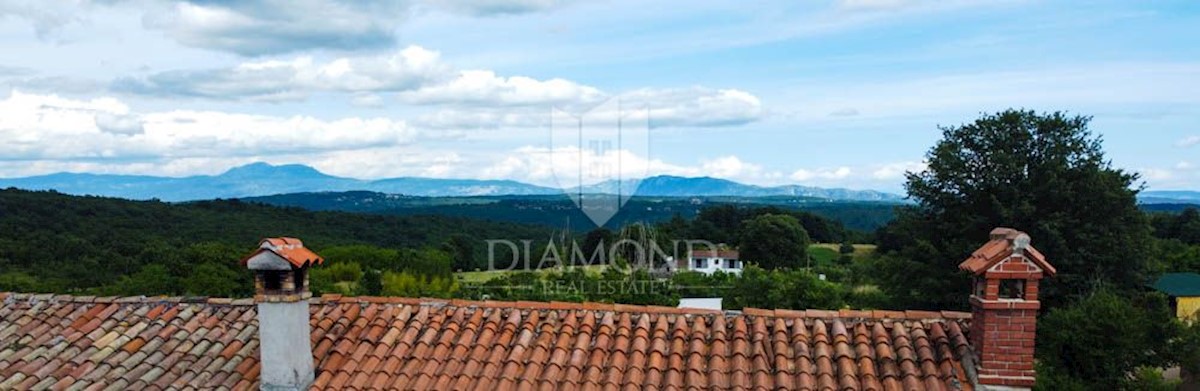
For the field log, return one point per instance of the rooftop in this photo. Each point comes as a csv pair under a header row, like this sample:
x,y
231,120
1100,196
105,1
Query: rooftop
x,y
58,341
1179,284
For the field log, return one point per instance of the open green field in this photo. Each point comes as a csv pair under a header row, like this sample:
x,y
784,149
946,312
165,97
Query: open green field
x,y
828,253
485,275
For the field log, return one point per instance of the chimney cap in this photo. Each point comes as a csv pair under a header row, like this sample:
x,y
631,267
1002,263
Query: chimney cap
x,y
1004,243
290,249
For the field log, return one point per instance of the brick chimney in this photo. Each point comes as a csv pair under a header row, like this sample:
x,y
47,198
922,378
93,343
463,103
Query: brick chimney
x,y
280,267
1004,308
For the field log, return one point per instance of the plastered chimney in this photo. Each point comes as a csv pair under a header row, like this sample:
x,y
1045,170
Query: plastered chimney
x,y
280,267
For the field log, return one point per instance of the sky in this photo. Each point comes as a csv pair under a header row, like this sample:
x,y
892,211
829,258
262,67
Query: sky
x,y
840,93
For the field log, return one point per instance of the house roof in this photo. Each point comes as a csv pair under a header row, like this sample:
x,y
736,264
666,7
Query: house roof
x,y
374,343
290,249
733,254
1179,284
1002,245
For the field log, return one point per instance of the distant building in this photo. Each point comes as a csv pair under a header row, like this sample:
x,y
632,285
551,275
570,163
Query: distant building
x,y
1184,290
712,261
702,303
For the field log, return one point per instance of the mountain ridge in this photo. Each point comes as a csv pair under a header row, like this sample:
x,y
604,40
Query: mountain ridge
x,y
263,179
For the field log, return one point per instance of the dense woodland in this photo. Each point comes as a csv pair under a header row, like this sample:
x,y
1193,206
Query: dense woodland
x,y
560,212
51,242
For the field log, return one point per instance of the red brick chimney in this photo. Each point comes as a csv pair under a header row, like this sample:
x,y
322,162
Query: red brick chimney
x,y
1004,307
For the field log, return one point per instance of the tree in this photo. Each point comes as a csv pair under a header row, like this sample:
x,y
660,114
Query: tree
x,y
371,283
1100,341
215,280
846,248
462,250
795,289
150,281
369,257
1187,226
599,238
409,285
774,241
1044,174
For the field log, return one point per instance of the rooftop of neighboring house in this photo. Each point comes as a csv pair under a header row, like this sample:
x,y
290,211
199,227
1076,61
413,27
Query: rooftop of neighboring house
x,y
1179,284
726,254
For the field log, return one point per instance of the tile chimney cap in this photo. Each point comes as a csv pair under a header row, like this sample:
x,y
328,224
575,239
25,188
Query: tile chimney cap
x,y
290,249
1004,243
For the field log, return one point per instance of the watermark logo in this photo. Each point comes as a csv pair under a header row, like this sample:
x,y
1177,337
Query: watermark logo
x,y
600,156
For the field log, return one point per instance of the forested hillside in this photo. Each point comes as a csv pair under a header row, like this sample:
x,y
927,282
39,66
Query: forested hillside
x,y
51,242
558,211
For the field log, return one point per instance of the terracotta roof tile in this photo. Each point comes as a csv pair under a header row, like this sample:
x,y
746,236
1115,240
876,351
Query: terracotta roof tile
x,y
373,343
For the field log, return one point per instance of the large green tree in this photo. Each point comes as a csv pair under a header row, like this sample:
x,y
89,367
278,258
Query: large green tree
x,y
1045,174
774,241
1097,342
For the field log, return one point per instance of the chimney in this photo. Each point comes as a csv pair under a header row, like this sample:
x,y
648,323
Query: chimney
x,y
1004,308
280,267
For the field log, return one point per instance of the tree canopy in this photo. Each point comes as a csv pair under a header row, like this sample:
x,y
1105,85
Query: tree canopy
x,y
774,241
1042,173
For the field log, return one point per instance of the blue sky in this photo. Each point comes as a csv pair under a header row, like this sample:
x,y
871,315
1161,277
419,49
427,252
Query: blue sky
x,y
842,93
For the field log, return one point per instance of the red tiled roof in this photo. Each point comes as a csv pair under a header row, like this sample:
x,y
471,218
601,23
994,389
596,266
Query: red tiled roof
x,y
999,248
291,249
384,343
731,254
128,343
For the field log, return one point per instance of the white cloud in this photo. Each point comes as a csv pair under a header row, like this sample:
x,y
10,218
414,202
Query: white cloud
x,y
279,26
731,167
1182,175
482,87
48,127
696,106
418,76
838,173
494,7
892,171
45,16
264,27
559,166
406,69
367,100
1157,174
118,123
1188,141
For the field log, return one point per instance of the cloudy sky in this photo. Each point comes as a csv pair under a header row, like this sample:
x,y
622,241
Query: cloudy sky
x,y
845,93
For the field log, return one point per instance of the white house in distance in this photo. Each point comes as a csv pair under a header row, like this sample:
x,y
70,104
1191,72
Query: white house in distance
x,y
712,261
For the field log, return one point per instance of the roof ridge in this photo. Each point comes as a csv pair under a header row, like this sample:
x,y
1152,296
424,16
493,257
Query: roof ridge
x,y
8,297
544,305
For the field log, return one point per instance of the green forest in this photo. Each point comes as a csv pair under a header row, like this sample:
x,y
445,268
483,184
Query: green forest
x,y
51,242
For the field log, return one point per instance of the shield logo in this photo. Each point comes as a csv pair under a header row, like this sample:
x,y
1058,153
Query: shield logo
x,y
600,156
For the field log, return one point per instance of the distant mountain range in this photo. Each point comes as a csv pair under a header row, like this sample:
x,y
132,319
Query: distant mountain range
x,y
261,179
674,186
